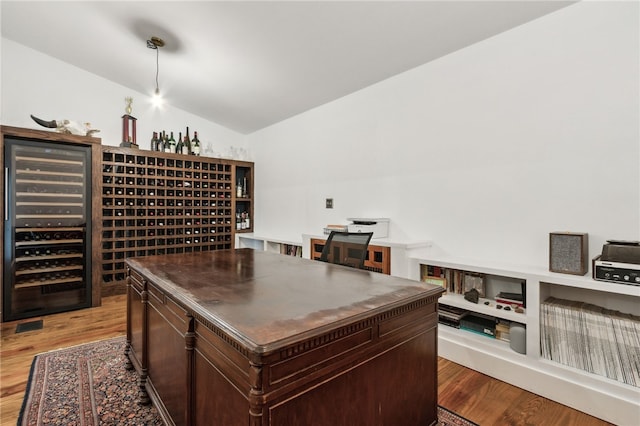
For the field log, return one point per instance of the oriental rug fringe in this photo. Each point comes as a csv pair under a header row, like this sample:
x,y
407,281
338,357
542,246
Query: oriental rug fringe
x,y
88,385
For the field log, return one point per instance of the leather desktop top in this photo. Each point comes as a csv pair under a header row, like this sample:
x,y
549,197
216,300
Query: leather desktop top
x,y
267,300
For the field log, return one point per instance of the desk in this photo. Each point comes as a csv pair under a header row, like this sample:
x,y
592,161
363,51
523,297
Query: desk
x,y
237,337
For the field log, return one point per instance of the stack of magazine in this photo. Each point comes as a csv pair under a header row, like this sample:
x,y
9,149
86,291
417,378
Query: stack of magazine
x,y
591,338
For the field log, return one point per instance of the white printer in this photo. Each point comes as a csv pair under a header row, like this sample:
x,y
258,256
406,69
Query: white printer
x,y
379,226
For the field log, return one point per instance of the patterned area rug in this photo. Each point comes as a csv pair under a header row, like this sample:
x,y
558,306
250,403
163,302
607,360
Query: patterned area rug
x,y
88,385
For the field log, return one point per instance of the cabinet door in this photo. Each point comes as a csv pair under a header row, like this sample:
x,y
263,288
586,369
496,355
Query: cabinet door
x,y
47,252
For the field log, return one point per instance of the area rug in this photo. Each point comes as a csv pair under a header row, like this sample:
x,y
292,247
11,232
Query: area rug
x,y
88,385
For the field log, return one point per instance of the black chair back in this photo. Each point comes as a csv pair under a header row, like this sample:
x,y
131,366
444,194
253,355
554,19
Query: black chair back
x,y
346,248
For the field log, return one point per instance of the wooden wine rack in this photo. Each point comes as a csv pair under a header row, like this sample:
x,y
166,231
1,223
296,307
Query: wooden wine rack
x,y
158,203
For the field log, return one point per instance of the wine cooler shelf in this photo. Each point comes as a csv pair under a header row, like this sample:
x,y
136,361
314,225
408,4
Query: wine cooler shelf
x,y
48,191
155,203
49,256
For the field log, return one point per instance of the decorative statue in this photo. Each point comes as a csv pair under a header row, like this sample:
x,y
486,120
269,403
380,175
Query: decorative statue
x,y
67,126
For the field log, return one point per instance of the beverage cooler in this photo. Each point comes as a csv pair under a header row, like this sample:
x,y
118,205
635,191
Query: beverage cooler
x,y
47,228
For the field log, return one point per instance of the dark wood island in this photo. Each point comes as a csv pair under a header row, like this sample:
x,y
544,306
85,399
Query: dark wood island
x,y
237,337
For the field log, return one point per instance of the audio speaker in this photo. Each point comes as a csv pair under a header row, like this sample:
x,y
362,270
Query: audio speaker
x,y
518,337
568,252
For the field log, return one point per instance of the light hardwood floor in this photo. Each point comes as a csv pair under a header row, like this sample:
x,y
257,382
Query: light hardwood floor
x,y
476,396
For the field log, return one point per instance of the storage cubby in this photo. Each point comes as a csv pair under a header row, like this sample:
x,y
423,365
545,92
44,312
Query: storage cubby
x,y
273,245
376,260
243,197
158,203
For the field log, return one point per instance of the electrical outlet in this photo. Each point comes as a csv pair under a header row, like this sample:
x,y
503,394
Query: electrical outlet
x,y
329,203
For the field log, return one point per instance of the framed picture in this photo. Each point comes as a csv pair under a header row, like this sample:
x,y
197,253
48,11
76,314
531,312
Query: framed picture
x,y
472,281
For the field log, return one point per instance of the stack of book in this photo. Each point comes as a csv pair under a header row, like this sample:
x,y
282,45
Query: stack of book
x,y
591,338
450,315
511,299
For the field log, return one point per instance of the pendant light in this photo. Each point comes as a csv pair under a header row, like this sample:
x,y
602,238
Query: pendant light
x,y
156,43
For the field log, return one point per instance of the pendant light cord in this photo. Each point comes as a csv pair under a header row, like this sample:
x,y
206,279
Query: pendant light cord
x,y
157,69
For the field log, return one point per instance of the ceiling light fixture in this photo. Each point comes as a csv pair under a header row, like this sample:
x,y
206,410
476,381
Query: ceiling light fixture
x,y
156,43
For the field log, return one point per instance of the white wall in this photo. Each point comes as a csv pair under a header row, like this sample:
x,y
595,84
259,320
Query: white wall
x,y
34,83
484,151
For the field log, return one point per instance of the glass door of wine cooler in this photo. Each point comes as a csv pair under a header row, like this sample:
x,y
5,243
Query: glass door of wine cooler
x,y
47,265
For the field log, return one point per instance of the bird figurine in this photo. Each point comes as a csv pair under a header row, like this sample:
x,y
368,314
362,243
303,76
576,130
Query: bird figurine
x,y
67,126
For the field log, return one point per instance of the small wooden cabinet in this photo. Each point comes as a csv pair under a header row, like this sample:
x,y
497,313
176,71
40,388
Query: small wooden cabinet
x,y
160,203
378,257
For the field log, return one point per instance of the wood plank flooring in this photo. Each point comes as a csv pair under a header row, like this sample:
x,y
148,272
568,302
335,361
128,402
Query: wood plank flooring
x,y
478,397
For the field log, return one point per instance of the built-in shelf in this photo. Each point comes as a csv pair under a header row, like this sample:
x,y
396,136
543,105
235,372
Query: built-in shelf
x,y
602,397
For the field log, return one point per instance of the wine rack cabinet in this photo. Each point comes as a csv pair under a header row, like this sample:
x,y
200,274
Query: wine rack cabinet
x,y
159,203
49,197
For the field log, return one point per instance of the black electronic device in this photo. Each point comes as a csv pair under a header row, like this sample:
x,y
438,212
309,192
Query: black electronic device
x,y
618,263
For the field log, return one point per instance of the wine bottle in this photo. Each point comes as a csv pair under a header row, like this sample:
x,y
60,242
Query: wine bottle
x,y
186,146
187,141
167,145
180,144
154,142
195,144
172,144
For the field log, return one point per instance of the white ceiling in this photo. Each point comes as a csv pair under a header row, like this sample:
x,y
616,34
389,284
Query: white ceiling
x,y
247,65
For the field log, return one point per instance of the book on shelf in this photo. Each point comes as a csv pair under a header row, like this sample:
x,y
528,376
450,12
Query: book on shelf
x,y
291,250
479,323
502,330
591,338
454,281
451,315
510,299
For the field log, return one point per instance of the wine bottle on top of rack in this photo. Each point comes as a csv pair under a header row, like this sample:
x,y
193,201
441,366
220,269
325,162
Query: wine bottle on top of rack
x,y
172,144
167,146
159,142
179,144
187,141
195,144
154,142
186,149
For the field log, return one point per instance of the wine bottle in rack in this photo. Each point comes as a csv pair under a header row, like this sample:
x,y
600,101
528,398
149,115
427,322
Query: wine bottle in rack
x,y
195,144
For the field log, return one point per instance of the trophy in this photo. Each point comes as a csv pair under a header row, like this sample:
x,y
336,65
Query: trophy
x,y
128,126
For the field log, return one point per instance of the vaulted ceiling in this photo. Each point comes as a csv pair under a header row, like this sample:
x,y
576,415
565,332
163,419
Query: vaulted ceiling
x,y
249,64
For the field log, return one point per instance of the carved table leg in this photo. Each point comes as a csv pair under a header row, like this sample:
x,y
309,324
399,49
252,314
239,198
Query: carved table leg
x,y
143,396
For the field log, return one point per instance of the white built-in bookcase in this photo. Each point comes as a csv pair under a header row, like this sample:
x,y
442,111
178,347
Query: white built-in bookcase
x,y
605,398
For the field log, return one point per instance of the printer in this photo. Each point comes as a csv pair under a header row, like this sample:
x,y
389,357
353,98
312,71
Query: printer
x,y
618,263
379,226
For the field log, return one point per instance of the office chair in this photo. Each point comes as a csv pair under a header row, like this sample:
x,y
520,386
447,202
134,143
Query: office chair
x,y
346,248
